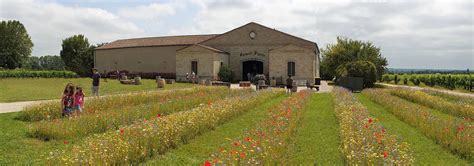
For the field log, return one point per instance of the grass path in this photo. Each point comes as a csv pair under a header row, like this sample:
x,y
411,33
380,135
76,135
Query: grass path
x,y
18,149
198,150
317,138
425,150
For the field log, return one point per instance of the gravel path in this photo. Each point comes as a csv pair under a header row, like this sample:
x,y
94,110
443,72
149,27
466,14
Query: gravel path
x,y
434,89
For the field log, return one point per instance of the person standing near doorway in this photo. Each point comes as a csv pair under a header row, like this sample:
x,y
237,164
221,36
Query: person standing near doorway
x,y
289,84
95,83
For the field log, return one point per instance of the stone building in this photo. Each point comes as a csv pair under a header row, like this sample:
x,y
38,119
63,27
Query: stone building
x,y
251,48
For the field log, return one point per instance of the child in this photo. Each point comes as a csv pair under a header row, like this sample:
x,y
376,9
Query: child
x,y
79,99
67,100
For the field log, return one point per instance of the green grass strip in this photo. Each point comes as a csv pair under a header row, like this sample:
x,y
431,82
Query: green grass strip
x,y
317,137
198,150
425,150
18,149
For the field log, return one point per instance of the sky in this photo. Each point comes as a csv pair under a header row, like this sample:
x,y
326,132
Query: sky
x,y
411,34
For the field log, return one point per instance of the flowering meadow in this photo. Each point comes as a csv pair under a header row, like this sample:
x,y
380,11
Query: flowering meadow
x,y
453,133
99,121
267,142
450,97
52,109
364,140
144,139
420,97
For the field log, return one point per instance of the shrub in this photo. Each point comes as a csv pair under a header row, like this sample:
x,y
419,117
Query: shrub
x,y
363,69
36,74
147,75
226,74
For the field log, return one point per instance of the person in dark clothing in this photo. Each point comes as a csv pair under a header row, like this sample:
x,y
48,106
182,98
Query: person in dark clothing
x,y
95,83
289,84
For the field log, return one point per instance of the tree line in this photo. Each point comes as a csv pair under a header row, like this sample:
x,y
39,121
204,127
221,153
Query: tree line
x,y
76,54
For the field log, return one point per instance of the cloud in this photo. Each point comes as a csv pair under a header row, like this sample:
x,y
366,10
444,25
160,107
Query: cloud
x,y
437,33
148,12
49,23
414,34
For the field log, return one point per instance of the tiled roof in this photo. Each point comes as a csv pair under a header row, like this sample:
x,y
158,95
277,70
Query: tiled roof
x,y
205,47
157,41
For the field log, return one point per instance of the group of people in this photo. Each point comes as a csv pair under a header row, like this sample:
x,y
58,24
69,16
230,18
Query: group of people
x,y
191,77
73,96
72,100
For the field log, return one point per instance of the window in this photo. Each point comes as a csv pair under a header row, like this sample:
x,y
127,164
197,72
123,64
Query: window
x,y
222,63
194,67
291,68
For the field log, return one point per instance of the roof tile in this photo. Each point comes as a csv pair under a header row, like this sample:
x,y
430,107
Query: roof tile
x,y
157,41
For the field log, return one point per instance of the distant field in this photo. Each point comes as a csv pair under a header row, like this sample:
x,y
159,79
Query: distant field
x,y
25,89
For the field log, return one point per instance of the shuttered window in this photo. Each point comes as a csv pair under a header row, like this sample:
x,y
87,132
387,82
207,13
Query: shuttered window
x,y
291,68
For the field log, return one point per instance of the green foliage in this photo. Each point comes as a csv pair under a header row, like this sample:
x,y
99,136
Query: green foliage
x,y
48,62
448,81
226,74
78,54
348,50
36,74
15,44
364,69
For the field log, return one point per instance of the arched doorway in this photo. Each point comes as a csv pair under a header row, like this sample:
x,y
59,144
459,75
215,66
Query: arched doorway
x,y
253,67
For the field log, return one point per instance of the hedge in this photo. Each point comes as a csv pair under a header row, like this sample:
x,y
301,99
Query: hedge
x,y
37,74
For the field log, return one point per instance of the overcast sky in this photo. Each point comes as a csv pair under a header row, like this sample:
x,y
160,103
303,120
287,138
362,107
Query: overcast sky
x,y
411,34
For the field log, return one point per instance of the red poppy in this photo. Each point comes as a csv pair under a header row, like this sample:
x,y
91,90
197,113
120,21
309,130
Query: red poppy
x,y
66,142
121,131
159,115
236,143
385,154
383,130
370,120
242,155
366,126
248,139
207,163
460,129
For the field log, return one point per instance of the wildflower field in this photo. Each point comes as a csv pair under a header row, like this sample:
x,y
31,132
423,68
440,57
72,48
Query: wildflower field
x,y
222,126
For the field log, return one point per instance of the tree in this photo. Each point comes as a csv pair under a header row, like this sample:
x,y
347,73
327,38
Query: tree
x,y
225,73
15,44
364,69
347,51
78,54
33,63
52,62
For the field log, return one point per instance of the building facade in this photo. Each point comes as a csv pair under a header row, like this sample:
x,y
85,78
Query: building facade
x,y
251,48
